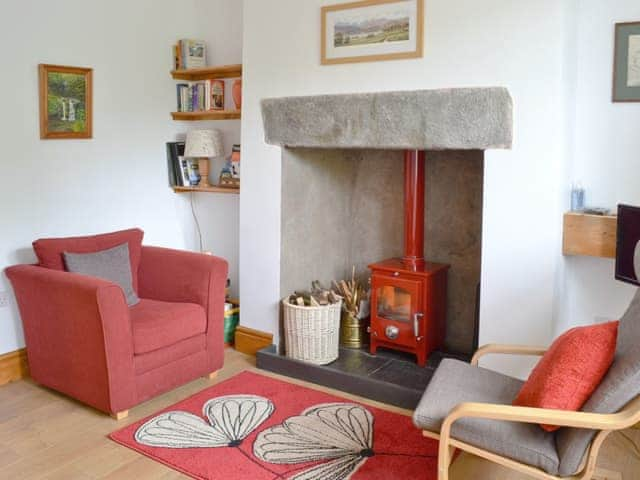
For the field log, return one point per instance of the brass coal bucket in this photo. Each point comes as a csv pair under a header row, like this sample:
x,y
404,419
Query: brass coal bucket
x,y
353,331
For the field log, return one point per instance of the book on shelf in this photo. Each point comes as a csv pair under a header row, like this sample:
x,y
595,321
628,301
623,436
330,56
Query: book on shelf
x,y
175,151
200,96
216,94
177,57
189,54
183,172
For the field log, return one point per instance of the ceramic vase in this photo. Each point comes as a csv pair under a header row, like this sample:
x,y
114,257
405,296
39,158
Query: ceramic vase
x,y
237,94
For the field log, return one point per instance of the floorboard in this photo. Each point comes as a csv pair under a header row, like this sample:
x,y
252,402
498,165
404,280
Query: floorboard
x,y
45,435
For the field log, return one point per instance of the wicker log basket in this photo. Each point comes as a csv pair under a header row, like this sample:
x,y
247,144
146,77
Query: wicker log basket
x,y
312,333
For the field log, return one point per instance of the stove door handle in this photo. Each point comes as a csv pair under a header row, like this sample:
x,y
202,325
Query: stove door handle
x,y
416,323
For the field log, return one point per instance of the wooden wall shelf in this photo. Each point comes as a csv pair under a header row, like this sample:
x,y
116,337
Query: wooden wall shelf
x,y
207,115
231,191
224,71
590,235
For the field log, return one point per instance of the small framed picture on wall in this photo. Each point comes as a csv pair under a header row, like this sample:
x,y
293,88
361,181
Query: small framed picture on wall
x,y
372,30
65,102
626,67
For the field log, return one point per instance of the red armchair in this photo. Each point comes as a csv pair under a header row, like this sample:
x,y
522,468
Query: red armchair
x,y
83,340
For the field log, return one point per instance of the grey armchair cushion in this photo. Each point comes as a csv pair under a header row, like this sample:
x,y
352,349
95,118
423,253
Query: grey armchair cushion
x,y
112,264
619,387
456,382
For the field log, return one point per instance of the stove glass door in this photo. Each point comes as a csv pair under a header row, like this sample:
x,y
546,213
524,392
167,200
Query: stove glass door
x,y
395,305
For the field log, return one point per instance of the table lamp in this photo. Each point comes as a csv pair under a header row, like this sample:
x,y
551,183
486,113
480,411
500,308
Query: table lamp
x,y
203,145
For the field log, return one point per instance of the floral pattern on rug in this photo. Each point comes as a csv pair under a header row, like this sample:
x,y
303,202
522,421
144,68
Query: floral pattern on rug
x,y
338,434
231,419
254,427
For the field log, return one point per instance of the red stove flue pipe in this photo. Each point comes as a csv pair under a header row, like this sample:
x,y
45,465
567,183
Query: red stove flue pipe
x,y
414,161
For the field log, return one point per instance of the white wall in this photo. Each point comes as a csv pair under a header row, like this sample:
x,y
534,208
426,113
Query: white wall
x,y
468,43
606,159
118,179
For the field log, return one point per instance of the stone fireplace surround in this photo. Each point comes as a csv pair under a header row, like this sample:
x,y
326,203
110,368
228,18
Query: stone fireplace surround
x,y
342,184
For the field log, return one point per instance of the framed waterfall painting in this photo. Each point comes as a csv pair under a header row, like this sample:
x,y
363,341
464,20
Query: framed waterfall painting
x,y
626,67
372,30
65,102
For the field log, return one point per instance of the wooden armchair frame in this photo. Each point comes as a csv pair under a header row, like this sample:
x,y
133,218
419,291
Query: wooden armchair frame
x,y
603,423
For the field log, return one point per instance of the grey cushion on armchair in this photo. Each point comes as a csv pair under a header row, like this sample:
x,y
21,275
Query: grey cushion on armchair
x,y
112,264
456,382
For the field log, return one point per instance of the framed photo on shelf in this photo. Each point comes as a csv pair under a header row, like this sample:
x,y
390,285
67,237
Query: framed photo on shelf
x,y
65,102
626,66
372,30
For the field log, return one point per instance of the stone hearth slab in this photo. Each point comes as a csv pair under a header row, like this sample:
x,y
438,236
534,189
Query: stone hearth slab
x,y
445,119
388,377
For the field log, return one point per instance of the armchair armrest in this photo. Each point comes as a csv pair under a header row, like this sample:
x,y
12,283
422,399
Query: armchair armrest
x,y
78,335
562,418
507,350
592,421
179,276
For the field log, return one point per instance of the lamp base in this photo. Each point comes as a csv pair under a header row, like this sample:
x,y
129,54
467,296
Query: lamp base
x,y
203,166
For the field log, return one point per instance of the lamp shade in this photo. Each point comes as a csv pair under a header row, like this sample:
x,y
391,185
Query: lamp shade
x,y
204,144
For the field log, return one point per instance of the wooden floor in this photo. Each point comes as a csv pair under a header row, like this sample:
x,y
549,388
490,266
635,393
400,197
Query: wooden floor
x,y
44,435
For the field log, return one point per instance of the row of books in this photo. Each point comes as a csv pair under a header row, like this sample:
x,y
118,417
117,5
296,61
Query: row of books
x,y
183,172
189,54
200,96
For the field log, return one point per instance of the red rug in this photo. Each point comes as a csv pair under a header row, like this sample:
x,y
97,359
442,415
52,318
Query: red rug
x,y
257,428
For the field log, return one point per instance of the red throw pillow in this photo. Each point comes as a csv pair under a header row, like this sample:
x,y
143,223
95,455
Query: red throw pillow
x,y
571,370
49,250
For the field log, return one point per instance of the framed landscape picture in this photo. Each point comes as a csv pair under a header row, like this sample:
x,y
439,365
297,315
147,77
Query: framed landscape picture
x,y
626,67
65,102
372,30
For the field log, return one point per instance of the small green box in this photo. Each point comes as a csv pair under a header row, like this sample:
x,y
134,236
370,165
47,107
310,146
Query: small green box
x,y
231,320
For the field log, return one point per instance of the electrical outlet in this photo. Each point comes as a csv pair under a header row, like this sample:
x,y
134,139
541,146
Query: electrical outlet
x,y
4,299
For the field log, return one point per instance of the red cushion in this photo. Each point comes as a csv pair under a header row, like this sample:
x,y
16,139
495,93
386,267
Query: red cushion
x,y
571,370
156,324
49,250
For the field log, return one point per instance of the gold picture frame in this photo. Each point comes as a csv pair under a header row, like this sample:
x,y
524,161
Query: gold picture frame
x,y
66,102
371,31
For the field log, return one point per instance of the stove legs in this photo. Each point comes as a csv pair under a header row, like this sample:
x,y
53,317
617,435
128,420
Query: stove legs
x,y
421,356
373,346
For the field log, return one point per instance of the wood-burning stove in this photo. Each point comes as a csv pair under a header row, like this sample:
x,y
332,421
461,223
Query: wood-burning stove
x,y
408,294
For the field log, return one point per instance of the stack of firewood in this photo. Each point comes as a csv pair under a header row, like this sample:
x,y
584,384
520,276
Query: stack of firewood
x,y
353,292
318,296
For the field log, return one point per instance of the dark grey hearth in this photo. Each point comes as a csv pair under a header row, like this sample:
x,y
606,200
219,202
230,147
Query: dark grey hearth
x,y
388,377
446,119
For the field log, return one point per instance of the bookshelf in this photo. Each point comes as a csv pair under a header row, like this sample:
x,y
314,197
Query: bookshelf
x,y
195,74
225,71
214,189
208,115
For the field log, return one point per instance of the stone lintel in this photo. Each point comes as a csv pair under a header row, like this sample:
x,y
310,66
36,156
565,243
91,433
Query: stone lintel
x,y
446,119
